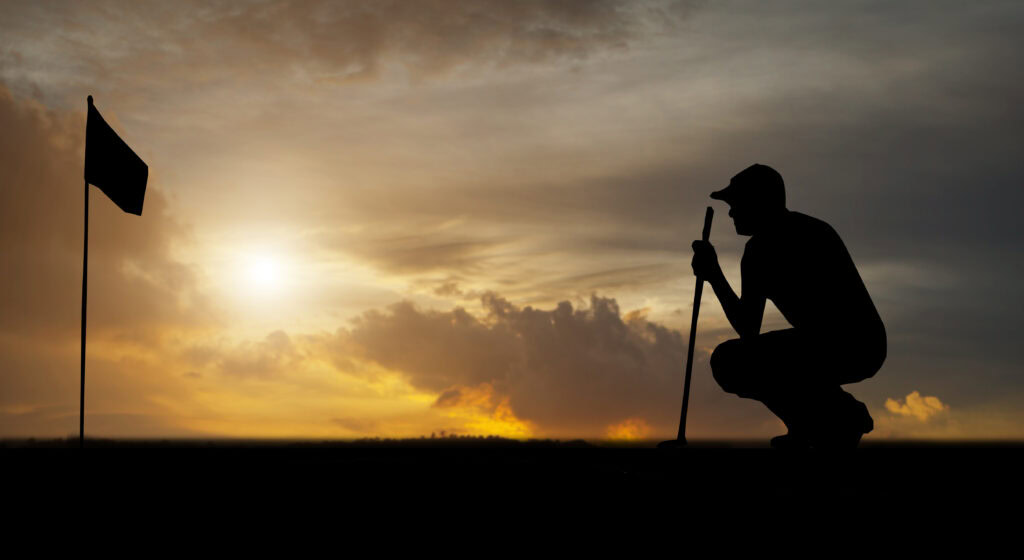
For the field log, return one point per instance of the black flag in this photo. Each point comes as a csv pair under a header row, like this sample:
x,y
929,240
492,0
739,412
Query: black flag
x,y
112,166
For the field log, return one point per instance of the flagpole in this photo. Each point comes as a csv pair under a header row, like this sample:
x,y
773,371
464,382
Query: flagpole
x,y
85,276
121,174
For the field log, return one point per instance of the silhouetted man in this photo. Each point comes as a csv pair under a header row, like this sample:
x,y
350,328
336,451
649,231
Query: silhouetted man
x,y
800,264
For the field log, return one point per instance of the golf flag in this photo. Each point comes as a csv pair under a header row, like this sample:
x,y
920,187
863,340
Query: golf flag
x,y
112,166
121,174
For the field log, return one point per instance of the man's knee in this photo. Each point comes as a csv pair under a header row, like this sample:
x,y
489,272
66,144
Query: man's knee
x,y
725,366
866,363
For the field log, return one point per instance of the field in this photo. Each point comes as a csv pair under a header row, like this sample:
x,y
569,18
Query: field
x,y
460,472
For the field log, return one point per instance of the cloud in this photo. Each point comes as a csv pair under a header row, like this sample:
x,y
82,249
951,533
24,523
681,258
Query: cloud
x,y
273,355
566,370
140,294
448,288
134,279
422,253
482,411
916,406
573,178
357,425
320,41
629,429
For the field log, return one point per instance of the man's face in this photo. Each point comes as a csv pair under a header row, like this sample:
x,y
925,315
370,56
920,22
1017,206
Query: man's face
x,y
745,217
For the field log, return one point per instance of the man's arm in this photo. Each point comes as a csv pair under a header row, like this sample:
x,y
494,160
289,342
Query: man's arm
x,y
744,312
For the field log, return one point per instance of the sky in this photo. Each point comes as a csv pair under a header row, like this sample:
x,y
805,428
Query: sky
x,y
393,219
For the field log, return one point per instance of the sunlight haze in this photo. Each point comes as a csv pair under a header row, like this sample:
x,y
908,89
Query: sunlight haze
x,y
389,219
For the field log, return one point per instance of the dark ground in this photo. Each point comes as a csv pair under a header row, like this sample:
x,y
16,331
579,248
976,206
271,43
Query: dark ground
x,y
920,473
494,497
578,493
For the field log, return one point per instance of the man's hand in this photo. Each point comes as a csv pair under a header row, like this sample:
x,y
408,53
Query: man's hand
x,y
705,260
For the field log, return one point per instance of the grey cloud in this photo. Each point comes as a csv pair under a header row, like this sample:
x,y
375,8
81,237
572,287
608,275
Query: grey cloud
x,y
568,370
869,111
205,44
897,124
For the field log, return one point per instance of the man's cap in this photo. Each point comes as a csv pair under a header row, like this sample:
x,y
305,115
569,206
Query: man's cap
x,y
758,184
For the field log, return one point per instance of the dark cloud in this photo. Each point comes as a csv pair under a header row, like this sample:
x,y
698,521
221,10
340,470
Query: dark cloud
x,y
568,370
897,124
203,44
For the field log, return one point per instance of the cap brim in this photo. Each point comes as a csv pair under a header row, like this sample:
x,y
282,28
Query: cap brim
x,y
723,195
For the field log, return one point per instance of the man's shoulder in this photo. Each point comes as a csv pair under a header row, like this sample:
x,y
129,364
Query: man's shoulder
x,y
803,221
802,226
798,234
792,224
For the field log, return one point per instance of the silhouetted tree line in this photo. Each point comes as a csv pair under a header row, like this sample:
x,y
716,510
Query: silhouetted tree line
x,y
446,441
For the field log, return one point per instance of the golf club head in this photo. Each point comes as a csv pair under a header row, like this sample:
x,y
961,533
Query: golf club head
x,y
672,444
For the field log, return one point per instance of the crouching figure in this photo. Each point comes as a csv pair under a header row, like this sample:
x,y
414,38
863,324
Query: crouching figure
x,y
837,336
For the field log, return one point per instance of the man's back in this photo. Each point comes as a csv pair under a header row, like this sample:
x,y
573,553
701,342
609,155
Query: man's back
x,y
804,268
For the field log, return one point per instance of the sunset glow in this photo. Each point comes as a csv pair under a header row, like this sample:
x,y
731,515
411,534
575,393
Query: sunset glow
x,y
392,219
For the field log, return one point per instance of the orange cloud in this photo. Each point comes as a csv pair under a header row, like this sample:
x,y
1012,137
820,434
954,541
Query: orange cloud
x,y
483,412
916,406
629,429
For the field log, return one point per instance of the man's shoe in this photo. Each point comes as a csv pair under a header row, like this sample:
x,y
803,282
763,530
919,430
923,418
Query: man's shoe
x,y
790,441
846,440
846,432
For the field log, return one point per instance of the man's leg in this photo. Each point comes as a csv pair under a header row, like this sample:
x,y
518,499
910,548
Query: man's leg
x,y
791,376
739,367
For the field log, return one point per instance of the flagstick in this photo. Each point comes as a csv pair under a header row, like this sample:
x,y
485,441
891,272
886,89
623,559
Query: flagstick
x,y
85,276
120,173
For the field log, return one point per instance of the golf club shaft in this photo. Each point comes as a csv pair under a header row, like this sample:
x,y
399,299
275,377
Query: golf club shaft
x,y
706,234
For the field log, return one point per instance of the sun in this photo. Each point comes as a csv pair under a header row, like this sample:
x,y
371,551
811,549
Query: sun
x,y
263,274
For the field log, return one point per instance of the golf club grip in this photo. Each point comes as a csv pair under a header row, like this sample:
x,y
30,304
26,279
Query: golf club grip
x,y
707,223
